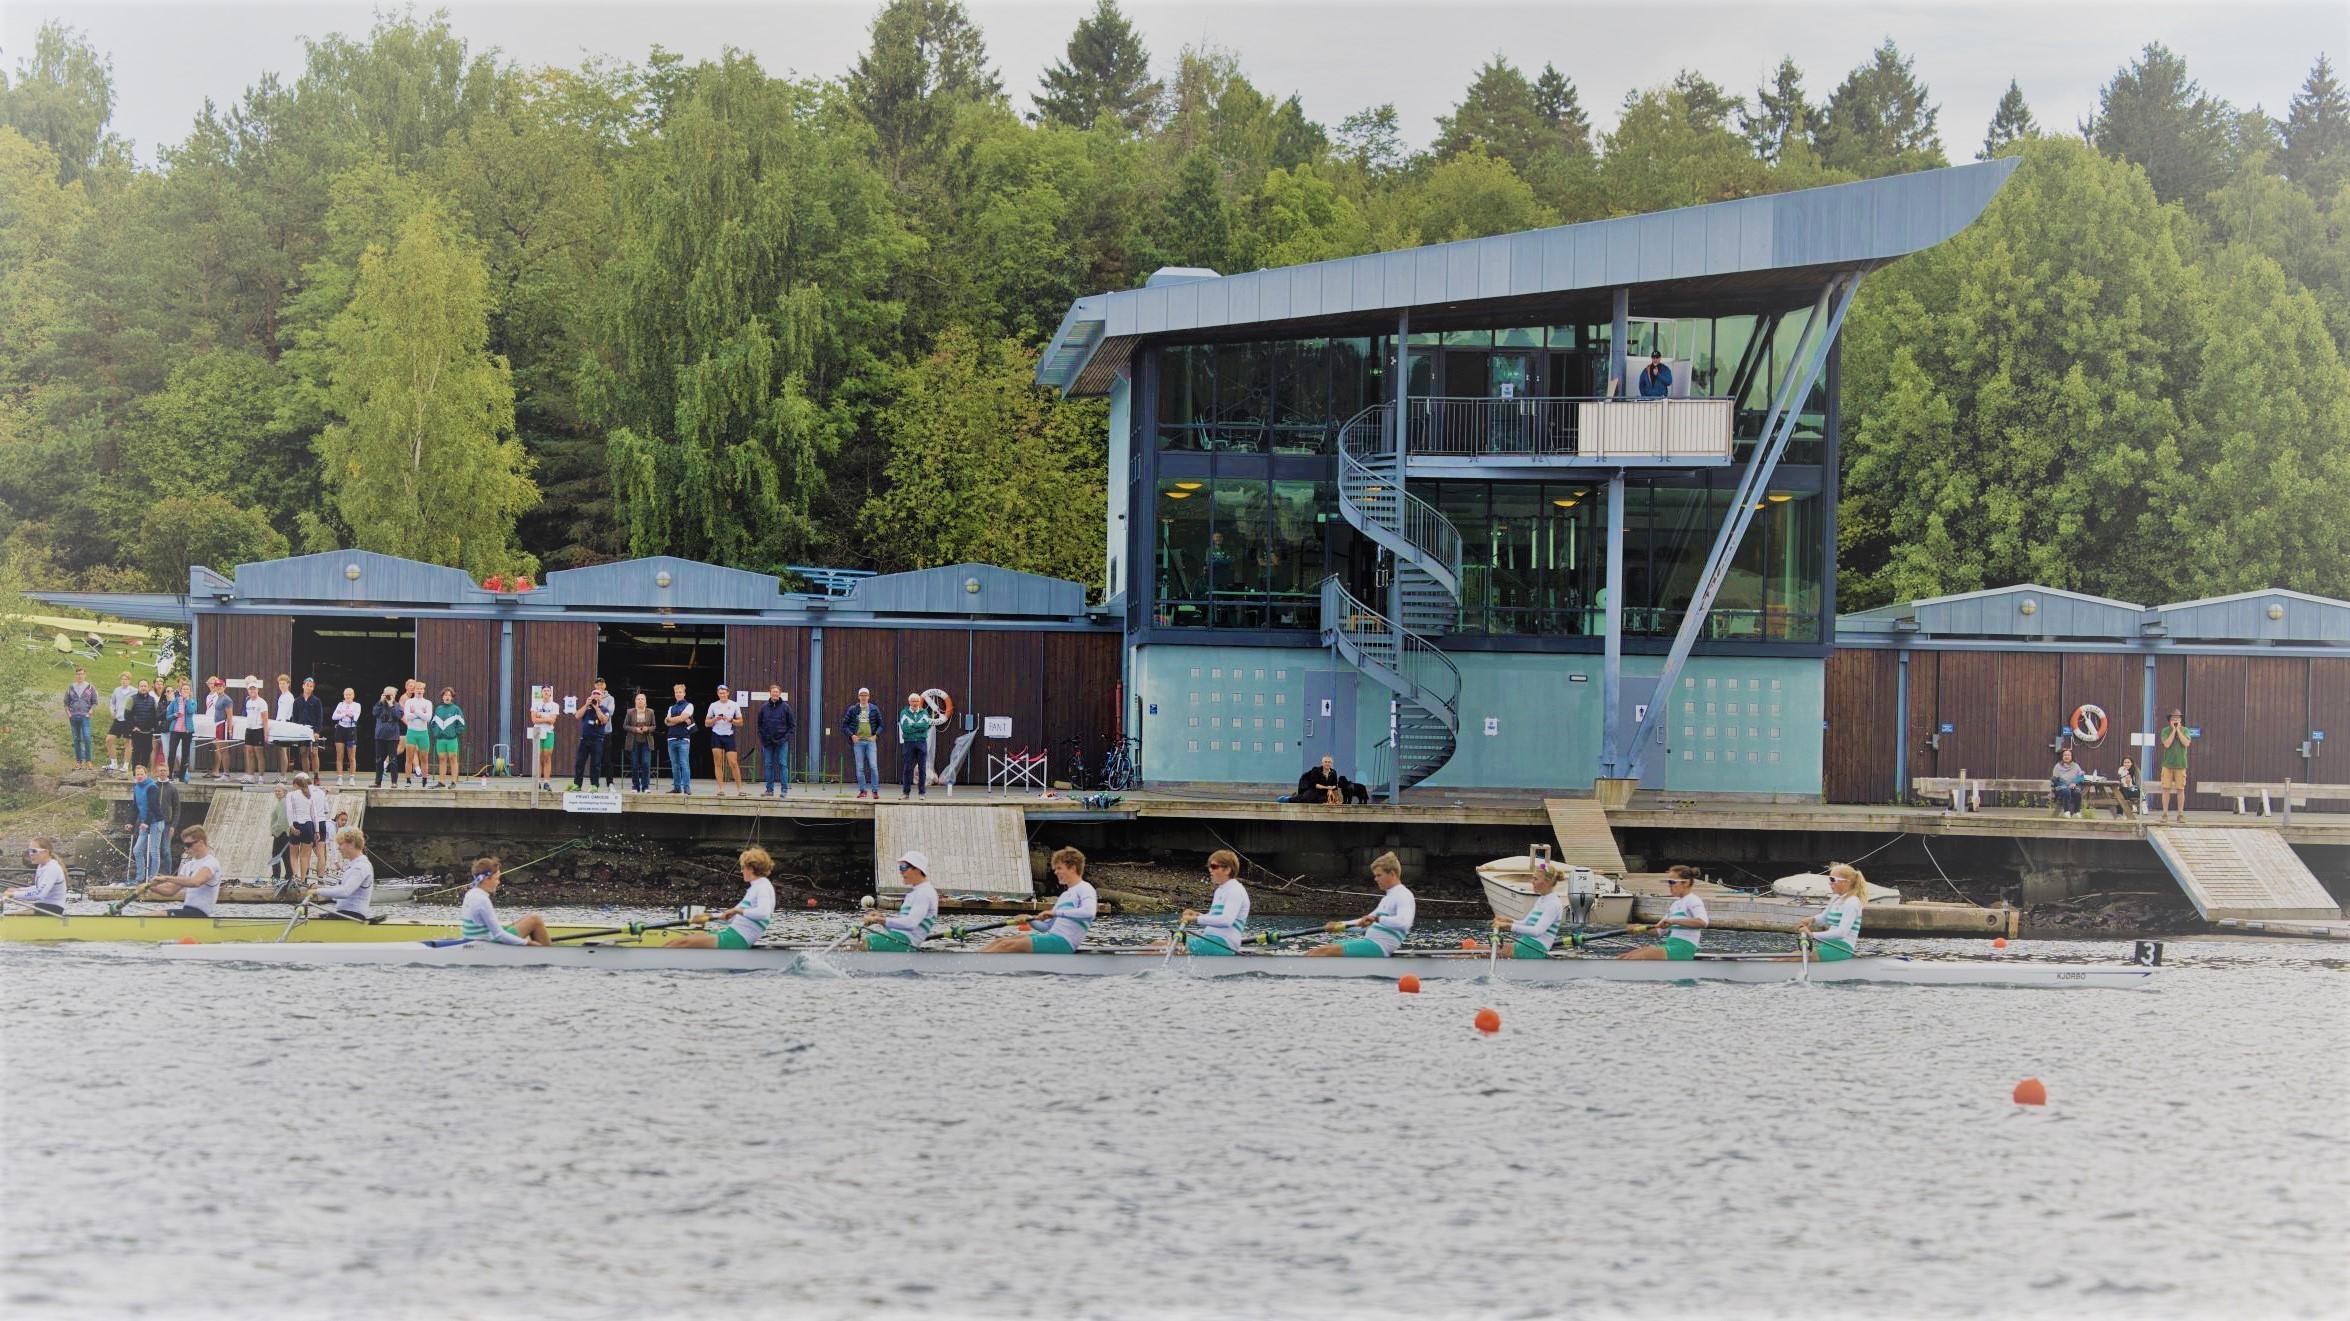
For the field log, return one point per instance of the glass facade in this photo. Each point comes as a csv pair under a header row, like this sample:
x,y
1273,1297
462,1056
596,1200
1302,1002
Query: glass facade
x,y
1241,551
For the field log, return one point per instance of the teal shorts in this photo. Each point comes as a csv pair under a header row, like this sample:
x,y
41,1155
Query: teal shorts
x,y
1523,948
1362,948
729,938
1049,945
887,942
444,747
1208,945
1679,951
1828,951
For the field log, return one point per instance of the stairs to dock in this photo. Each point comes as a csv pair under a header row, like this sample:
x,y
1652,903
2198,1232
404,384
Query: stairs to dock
x,y
977,851
2238,872
1585,838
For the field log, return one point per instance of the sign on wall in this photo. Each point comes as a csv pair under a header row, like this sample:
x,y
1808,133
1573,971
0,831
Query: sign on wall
x,y
998,727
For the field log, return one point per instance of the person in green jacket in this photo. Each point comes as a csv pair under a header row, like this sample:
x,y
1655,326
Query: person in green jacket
x,y
913,747
448,726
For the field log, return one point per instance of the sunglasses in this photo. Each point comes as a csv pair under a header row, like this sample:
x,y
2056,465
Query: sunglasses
x,y
905,866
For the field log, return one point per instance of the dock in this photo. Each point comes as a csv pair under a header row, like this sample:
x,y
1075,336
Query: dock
x,y
2241,874
976,851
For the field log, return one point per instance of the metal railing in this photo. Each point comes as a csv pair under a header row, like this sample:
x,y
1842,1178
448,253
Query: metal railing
x,y
1565,426
1366,445
1430,679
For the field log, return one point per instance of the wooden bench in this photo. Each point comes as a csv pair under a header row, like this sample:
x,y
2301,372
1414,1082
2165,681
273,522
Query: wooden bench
x,y
2284,793
1964,793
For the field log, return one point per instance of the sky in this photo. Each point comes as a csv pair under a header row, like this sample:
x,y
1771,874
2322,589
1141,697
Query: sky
x,y
170,55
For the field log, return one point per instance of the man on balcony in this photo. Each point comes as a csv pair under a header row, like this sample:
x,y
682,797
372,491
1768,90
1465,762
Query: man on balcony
x,y
1656,379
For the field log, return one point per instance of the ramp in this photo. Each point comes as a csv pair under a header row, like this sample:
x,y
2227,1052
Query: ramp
x,y
1584,836
237,823
2242,873
980,851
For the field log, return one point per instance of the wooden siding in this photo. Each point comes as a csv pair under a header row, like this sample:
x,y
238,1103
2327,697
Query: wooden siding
x,y
2276,717
1862,695
1925,687
858,658
463,654
561,653
1054,686
2215,704
934,658
1009,677
1081,690
239,646
760,654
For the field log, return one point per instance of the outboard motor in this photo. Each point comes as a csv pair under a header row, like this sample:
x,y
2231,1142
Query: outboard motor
x,y
1582,888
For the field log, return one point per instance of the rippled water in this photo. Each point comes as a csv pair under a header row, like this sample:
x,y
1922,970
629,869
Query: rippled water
x,y
398,1142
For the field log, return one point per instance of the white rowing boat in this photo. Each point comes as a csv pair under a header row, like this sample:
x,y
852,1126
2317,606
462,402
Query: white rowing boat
x,y
1509,889
1098,963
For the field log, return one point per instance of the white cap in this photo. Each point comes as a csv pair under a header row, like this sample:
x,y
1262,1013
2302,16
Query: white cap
x,y
916,859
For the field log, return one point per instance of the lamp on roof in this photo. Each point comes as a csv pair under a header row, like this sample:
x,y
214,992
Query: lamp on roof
x,y
2276,610
351,572
2029,607
662,580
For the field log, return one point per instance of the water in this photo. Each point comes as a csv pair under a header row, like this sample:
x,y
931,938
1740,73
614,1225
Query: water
x,y
384,1142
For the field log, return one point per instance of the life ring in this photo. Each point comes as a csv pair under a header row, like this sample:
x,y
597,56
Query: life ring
x,y
2089,724
942,707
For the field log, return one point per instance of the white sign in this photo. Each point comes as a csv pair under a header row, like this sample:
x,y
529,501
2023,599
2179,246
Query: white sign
x,y
1492,726
997,727
1325,706
1509,389
2141,740
570,706
1639,711
600,801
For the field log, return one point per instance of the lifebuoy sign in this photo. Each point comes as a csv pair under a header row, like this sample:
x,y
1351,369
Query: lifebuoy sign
x,y
2088,724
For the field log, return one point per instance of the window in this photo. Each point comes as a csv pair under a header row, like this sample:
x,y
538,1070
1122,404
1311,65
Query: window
x,y
1183,552
1239,551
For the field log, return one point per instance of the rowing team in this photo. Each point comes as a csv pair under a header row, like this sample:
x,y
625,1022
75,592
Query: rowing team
x,y
196,885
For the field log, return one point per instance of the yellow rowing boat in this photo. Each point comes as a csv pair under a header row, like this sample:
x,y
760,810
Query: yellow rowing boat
x,y
42,928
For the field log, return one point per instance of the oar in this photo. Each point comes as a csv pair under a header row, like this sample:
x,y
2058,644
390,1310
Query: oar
x,y
1578,939
1276,937
1803,955
1172,941
301,911
958,933
632,929
115,909
1493,958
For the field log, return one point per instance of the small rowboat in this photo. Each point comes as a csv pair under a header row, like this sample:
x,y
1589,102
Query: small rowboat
x,y
1509,888
40,928
809,960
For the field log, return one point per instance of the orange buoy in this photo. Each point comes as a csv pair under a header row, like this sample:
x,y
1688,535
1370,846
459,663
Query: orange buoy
x,y
1999,942
1408,984
1470,942
1488,1022
2031,1092
811,901
187,940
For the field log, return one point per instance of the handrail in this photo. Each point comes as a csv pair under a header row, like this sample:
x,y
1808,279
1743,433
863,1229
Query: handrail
x,y
1555,426
1414,521
1416,661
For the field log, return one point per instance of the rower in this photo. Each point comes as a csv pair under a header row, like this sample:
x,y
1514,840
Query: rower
x,y
1063,929
1838,924
1222,929
1384,927
353,893
906,929
1684,923
47,892
197,886
1533,935
477,918
742,925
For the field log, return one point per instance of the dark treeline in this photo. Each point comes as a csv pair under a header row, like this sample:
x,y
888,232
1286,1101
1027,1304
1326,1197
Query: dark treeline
x,y
416,298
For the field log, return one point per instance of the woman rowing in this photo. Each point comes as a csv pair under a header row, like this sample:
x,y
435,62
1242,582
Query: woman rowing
x,y
353,893
1063,929
1385,927
1533,936
906,929
1222,929
477,917
1683,924
196,886
1837,925
47,892
741,926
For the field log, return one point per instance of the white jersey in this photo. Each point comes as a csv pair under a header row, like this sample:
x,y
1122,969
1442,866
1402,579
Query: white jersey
x,y
1542,922
477,919
1226,920
48,885
1072,916
354,891
542,717
416,713
257,715
1687,906
298,807
758,905
917,913
204,893
285,705
723,713
1839,922
1392,920
346,715
322,812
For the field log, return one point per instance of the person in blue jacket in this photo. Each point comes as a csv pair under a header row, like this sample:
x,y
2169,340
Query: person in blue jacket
x,y
862,723
776,727
1656,379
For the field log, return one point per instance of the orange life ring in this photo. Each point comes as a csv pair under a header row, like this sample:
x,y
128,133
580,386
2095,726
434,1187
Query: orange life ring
x,y
942,707
2089,724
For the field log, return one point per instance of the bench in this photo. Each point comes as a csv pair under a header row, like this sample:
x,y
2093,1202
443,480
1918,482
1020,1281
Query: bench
x,y
1964,793
2284,793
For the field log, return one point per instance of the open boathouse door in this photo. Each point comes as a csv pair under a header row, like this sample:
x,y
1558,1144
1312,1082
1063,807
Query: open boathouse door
x,y
650,658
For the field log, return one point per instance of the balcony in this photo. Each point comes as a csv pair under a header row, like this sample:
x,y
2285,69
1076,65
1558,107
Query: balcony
x,y
1467,435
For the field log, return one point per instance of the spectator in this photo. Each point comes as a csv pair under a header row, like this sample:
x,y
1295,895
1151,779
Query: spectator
x,y
221,705
595,724
862,723
721,719
678,724
346,717
602,696
310,712
146,820
179,729
2064,783
167,809
2126,781
543,712
386,716
1323,784
776,727
285,713
913,748
320,856
281,833
640,723
144,716
2176,738
302,825
81,698
448,731
256,731
118,730
1656,379
416,730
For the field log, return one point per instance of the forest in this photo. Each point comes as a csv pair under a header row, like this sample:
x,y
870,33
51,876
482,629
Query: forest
x,y
417,298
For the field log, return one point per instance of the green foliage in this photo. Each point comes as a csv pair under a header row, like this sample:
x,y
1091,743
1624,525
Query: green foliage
x,y
926,58
1470,196
1196,227
1106,72
179,531
1300,218
1878,120
2156,117
29,689
2011,122
62,98
2316,151
1672,147
1781,116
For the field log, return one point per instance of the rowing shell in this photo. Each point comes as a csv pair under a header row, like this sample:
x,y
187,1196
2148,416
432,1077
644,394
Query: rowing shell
x,y
787,959
41,928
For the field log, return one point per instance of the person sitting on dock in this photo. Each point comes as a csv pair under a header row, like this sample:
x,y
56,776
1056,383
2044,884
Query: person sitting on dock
x,y
741,926
1224,927
1384,927
47,892
1534,935
1838,924
2125,782
1063,929
197,886
1683,924
353,893
477,917
1323,784
907,928
2064,783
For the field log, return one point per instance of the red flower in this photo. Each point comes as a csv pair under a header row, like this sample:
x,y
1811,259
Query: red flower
x,y
496,582
522,584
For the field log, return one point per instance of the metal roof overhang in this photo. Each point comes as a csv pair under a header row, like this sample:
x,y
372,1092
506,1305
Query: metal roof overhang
x,y
1753,254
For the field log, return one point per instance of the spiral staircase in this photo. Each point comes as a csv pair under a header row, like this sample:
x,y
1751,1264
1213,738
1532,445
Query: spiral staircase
x,y
1395,647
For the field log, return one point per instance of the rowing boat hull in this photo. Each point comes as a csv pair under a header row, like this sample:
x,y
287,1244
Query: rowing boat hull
x,y
386,892
618,957
38,928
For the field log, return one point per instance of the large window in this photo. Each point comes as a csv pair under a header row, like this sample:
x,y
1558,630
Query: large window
x,y
1281,396
1241,551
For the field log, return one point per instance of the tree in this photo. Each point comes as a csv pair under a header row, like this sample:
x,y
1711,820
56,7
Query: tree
x,y
2156,117
1470,196
1781,114
1197,228
421,460
1371,140
1878,121
1561,109
1301,218
2317,133
2011,122
1106,71
926,58
984,466
62,98
1497,115
183,530
1672,147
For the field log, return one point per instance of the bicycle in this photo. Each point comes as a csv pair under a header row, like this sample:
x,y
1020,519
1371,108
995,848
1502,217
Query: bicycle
x,y
1121,764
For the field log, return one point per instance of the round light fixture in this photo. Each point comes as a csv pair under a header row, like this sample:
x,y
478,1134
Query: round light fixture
x,y
661,579
1188,486
1780,497
971,585
1179,495
351,572
2030,606
2275,611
